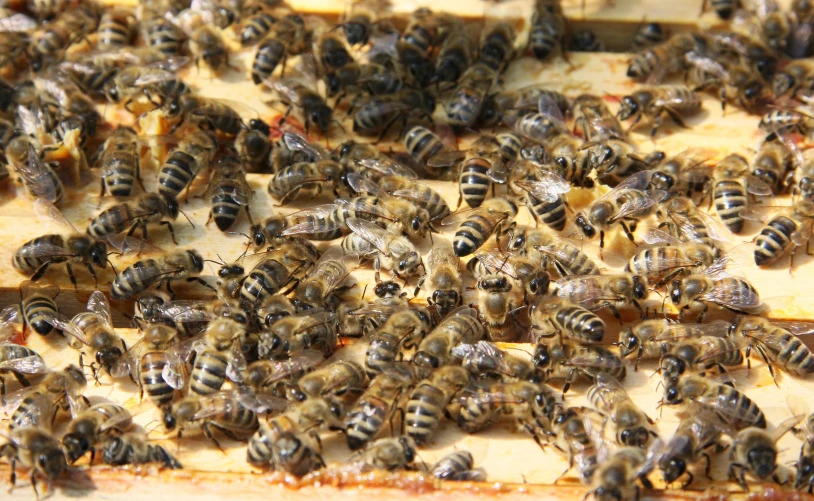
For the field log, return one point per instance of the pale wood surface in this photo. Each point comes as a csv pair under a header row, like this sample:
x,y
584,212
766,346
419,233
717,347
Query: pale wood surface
x,y
509,456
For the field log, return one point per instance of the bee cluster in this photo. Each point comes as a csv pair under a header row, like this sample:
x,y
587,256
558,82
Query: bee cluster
x,y
259,359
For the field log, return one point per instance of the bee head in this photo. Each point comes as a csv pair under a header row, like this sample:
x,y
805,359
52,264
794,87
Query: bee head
x,y
106,357
196,260
229,270
168,420
628,342
675,292
628,107
98,254
321,116
672,469
584,226
541,357
639,287
257,237
634,437
260,126
355,33
172,206
52,462
763,460
805,471
76,445
539,284
409,448
672,395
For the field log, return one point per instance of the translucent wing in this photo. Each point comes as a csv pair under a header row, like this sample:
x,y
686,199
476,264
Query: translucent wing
x,y
757,186
361,184
39,409
708,65
97,303
347,262
127,364
314,319
638,204
315,220
422,196
638,181
375,235
47,211
387,166
731,294
18,23
549,108
294,141
593,360
361,205
548,188
674,332
9,316
803,233
796,328
187,312
445,158
131,245
120,421
260,403
235,189
174,374
497,263
33,364
580,289
655,236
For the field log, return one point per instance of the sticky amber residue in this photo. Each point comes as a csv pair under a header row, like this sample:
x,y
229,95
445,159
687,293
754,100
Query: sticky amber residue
x,y
280,124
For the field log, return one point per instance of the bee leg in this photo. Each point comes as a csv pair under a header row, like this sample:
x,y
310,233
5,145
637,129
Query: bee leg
x,y
196,279
40,271
13,473
71,275
690,478
208,434
628,231
169,289
170,228
570,465
739,477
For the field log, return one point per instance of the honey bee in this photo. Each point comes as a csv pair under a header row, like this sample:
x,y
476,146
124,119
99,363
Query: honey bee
x,y
595,119
633,427
141,275
616,477
292,334
392,251
465,103
287,36
697,433
731,182
37,303
331,270
264,375
342,379
387,454
754,451
94,329
654,102
228,191
133,447
20,361
115,29
663,59
254,28
35,256
456,54
375,406
776,344
134,214
665,261
50,44
790,230
38,405
421,195
38,450
148,359
314,109
492,217
774,164
699,354
544,191
305,178
554,316
498,296
381,112
730,405
253,146
91,426
158,83
435,350
120,162
413,218
570,361
539,125
458,466
654,338
359,78
38,177
402,330
161,33
200,414
443,278
625,202
192,155
214,114
736,83
798,75
573,440
733,293
601,291
485,360
273,271
497,46
681,216
567,259
520,101
289,441
548,26
428,400
331,52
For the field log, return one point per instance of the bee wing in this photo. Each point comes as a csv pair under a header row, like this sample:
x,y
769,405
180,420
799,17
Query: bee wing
x,y
294,141
796,328
237,363
497,263
580,288
757,186
655,236
314,319
422,196
217,403
607,381
638,181
240,196
458,216
47,211
361,184
119,421
707,64
61,323
463,351
387,166
731,295
18,23
10,401
33,364
717,350
445,158
547,189
260,403
9,316
312,226
589,359
174,374
131,245
637,204
718,328
348,261
375,235
154,77
802,235
97,303
187,312
302,361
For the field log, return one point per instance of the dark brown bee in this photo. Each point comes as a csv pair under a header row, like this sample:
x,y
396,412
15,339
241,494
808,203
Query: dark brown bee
x,y
134,448
331,52
497,46
313,106
790,230
253,146
228,192
723,8
115,29
131,215
586,41
663,59
120,162
458,465
192,155
547,29
777,345
35,256
37,303
357,78
646,36
465,103
381,112
141,275
493,217
286,37
653,102
571,361
37,450
203,111
730,405
733,293
456,54
162,34
428,400
254,28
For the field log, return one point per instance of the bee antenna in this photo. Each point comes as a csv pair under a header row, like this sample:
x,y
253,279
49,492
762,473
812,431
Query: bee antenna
x,y
111,264
241,234
188,219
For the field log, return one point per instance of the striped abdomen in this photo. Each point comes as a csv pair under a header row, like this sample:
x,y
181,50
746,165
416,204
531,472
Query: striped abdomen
x,y
656,262
163,36
730,201
235,418
35,309
472,233
119,172
208,373
294,181
774,240
422,144
580,324
176,173
21,260
114,219
269,55
424,411
256,28
788,350
135,278
152,381
265,279
114,32
749,414
474,183
551,214
225,205
365,421
477,414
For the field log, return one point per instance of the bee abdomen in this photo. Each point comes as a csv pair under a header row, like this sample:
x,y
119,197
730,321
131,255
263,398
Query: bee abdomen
x,y
424,412
119,175
474,182
28,264
581,323
365,422
208,373
225,208
152,379
176,173
795,355
269,55
551,214
34,311
134,279
774,240
730,201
